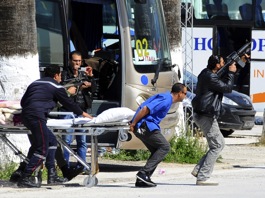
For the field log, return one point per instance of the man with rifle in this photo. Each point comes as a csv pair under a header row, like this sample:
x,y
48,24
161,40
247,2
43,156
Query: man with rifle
x,y
80,89
213,81
207,107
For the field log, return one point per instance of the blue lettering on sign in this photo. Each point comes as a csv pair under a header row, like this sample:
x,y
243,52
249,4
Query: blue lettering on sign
x,y
261,44
258,44
203,44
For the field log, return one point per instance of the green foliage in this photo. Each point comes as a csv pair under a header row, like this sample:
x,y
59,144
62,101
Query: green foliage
x,y
7,170
184,149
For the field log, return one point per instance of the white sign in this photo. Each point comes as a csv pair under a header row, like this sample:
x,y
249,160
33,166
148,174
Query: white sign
x,y
201,50
147,59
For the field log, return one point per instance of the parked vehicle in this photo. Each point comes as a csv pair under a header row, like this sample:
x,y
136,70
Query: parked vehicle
x,y
239,113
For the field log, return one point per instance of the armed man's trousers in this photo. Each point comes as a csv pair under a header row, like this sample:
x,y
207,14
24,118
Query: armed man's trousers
x,y
216,143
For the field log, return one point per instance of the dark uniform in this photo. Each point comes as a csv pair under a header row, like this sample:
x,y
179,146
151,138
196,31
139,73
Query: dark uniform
x,y
40,98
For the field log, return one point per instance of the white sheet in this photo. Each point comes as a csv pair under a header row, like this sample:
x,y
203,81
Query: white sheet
x,y
68,122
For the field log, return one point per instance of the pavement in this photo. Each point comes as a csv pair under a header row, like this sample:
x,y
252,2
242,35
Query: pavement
x,y
240,173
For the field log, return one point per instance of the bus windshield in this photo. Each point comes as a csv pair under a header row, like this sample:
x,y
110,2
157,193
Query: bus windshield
x,y
49,33
148,39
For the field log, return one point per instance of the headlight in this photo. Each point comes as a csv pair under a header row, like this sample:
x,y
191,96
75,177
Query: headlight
x,y
229,101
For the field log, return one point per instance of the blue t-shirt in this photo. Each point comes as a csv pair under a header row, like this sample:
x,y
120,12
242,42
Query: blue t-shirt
x,y
158,105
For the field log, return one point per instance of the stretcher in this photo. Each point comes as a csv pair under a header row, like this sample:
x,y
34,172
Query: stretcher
x,y
59,127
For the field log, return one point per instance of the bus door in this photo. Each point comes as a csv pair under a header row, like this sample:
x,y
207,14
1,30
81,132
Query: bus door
x,y
94,31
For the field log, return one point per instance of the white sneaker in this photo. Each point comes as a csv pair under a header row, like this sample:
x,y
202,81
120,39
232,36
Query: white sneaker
x,y
207,183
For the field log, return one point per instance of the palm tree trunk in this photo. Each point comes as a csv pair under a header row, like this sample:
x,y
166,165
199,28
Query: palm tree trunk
x,y
172,10
18,60
18,52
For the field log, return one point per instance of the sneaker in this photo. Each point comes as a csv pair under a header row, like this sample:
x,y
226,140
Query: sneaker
x,y
142,184
145,178
207,183
194,173
16,176
28,182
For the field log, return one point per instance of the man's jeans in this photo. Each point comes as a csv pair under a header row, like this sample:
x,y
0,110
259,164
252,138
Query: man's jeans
x,y
80,142
216,143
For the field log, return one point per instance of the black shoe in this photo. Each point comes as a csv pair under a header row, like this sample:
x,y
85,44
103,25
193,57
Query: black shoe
x,y
142,184
70,173
16,176
53,178
56,180
28,182
145,178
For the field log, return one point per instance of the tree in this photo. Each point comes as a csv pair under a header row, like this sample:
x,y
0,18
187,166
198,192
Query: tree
x,y
172,10
18,56
173,21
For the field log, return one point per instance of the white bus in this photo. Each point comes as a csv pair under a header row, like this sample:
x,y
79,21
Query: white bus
x,y
221,27
131,53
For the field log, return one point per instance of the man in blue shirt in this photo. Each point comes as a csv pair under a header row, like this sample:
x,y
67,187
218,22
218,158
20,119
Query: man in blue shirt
x,y
145,125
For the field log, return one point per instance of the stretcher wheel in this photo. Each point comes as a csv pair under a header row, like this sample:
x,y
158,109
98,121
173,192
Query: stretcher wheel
x,y
123,137
90,181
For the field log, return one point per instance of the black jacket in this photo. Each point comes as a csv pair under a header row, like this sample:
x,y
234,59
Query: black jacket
x,y
83,97
209,92
42,96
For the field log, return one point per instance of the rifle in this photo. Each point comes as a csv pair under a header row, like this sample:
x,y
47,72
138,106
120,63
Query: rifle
x,y
76,82
235,57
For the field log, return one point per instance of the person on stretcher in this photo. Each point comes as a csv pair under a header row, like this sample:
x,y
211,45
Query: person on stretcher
x,y
39,99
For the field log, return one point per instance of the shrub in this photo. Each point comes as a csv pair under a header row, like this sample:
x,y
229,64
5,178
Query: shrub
x,y
184,149
7,170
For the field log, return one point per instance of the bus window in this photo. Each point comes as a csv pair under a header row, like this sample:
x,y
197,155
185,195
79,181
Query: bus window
x,y
149,46
217,10
49,33
246,12
110,38
240,10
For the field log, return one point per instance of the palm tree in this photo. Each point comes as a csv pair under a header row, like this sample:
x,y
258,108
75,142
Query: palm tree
x,y
18,56
18,51
173,22
172,10
172,15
